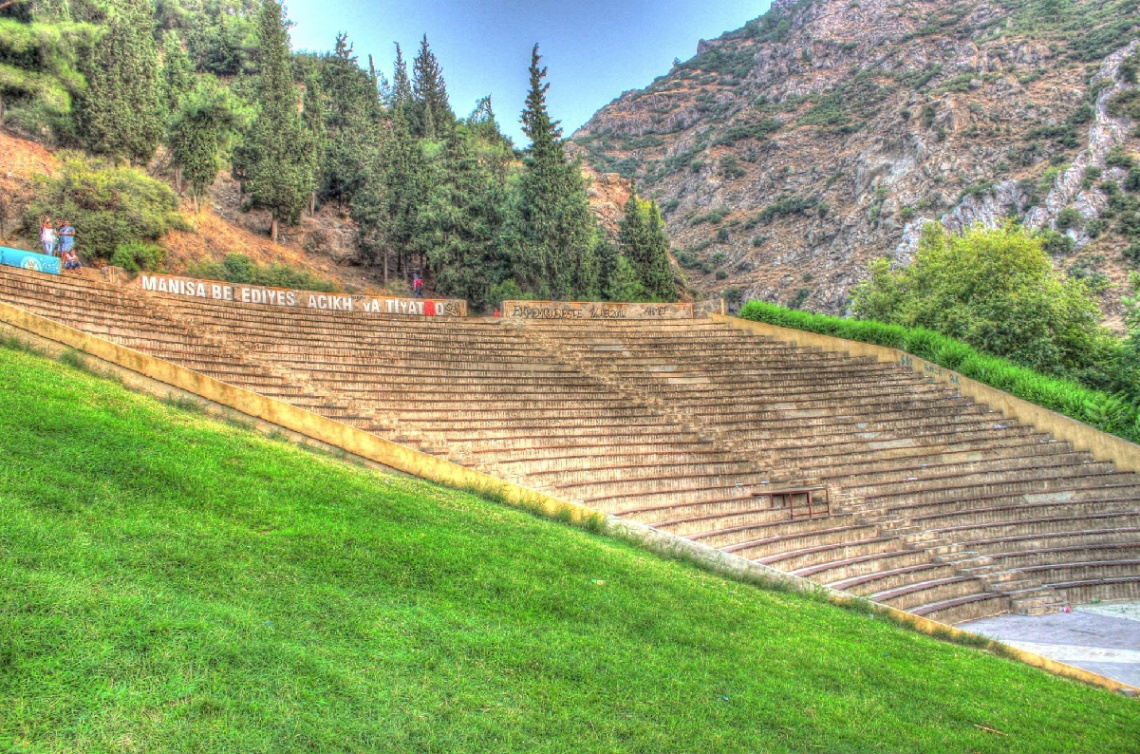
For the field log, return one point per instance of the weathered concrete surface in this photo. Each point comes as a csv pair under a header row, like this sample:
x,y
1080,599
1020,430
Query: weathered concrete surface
x,y
1103,639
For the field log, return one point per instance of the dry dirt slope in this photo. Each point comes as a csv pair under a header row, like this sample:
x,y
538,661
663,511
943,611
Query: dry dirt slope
x,y
790,153
323,245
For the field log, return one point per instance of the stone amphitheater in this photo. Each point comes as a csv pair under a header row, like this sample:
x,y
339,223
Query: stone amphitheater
x,y
853,473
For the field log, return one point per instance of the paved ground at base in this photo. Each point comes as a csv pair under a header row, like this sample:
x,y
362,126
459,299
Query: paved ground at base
x,y
1103,638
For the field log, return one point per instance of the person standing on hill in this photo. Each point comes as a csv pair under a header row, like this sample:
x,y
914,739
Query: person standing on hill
x,y
418,286
66,238
47,236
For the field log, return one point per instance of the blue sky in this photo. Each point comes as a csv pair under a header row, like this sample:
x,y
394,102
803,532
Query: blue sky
x,y
595,50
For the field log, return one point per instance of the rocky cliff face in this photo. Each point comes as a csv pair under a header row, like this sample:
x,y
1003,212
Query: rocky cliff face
x,y
788,154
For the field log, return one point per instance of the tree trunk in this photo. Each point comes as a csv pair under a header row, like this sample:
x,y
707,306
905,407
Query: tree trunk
x,y
385,265
197,209
178,180
273,230
312,203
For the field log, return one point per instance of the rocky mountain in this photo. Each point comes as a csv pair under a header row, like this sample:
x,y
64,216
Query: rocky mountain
x,y
788,154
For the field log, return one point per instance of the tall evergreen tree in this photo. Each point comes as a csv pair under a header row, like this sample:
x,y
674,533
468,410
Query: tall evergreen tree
x,y
433,117
121,114
401,84
351,120
642,241
483,124
279,167
554,238
463,220
407,182
177,71
207,120
313,116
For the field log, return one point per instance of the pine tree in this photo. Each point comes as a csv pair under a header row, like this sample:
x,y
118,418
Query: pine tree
x,y
656,271
279,167
483,124
177,71
313,116
463,219
642,241
433,117
207,120
177,81
352,120
407,182
401,84
554,238
121,114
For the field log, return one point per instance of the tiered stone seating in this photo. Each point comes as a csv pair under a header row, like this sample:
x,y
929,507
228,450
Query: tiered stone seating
x,y
937,505
932,492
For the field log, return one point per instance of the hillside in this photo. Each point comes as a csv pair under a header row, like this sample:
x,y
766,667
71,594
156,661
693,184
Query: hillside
x,y
254,596
324,245
789,153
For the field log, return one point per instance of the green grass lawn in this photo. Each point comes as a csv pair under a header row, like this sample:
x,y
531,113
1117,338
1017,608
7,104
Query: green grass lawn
x,y
171,583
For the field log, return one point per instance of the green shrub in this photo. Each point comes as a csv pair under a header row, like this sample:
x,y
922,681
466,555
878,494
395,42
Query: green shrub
x,y
1125,105
137,256
1069,217
108,206
788,205
1119,157
732,295
1109,413
994,289
713,216
721,274
1096,226
758,130
1132,180
238,268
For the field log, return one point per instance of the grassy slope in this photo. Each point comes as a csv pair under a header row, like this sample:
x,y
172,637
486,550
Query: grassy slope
x,y
168,583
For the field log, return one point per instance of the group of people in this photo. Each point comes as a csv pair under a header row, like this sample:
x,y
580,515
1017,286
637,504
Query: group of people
x,y
61,239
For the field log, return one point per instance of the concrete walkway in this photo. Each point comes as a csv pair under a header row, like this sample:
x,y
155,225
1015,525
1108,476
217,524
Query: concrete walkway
x,y
1102,638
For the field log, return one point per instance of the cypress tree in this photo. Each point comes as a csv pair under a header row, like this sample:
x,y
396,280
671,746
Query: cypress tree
x,y
279,169
121,114
177,81
555,234
463,219
401,84
433,116
408,180
351,119
642,241
656,271
313,116
199,133
177,71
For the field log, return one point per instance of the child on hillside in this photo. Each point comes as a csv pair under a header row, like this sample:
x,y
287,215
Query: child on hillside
x,y
70,261
418,286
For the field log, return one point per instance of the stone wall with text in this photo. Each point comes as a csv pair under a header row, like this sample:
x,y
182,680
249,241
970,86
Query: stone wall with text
x,y
217,291
593,310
